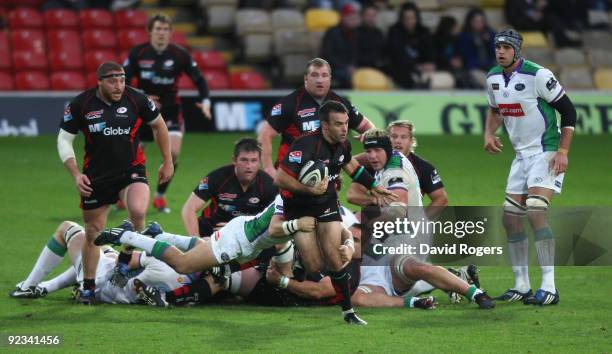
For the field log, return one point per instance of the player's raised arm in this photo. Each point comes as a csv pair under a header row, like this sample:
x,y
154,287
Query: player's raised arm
x,y
160,132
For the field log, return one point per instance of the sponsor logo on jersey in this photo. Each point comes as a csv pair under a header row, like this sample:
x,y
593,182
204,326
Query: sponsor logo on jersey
x,y
341,158
511,110
435,177
227,196
519,87
147,75
121,110
276,110
551,84
295,156
163,80
116,131
495,86
558,184
308,112
311,125
98,127
168,63
67,113
94,114
395,180
333,177
225,257
146,63
254,200
203,184
227,207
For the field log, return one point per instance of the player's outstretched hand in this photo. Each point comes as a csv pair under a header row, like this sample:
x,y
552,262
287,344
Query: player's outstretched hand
x,y
558,164
205,108
386,195
492,144
83,185
166,170
346,253
320,188
307,223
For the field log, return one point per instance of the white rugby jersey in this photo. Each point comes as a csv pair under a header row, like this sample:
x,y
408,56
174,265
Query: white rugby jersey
x,y
400,174
523,100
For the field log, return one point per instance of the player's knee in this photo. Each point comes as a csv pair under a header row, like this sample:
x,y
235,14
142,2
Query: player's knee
x,y
358,298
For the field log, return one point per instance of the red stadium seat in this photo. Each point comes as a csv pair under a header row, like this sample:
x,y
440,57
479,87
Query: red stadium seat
x,y
25,17
180,38
99,39
6,81
96,18
210,60
5,50
65,40
64,60
131,19
131,37
30,40
31,80
68,80
217,79
60,18
185,83
29,60
93,58
247,80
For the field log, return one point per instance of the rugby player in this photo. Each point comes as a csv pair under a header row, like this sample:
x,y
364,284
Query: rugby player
x,y
382,284
241,188
298,113
329,145
110,117
158,65
524,97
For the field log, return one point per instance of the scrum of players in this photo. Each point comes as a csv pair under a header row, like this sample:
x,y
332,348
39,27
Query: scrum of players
x,y
295,246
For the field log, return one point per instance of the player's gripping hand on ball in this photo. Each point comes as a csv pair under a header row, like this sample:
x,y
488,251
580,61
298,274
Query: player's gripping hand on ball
x,y
319,188
492,144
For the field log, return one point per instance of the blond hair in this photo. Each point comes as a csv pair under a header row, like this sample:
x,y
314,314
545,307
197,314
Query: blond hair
x,y
405,123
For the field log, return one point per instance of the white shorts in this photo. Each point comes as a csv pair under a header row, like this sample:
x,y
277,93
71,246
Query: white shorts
x,y
378,276
160,275
533,171
230,242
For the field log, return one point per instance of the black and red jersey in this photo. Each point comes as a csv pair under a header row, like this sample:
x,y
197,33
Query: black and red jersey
x,y
158,72
228,200
429,179
298,113
111,130
313,146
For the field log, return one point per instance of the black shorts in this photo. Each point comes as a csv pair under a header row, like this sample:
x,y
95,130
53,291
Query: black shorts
x,y
326,212
106,191
205,227
174,121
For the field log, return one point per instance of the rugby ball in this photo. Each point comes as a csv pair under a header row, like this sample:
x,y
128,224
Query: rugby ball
x,y
312,173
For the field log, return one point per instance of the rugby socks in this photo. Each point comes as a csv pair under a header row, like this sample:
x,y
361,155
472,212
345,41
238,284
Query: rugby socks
x,y
137,240
89,284
471,292
49,258
545,249
340,281
162,187
183,243
518,250
420,287
63,280
197,292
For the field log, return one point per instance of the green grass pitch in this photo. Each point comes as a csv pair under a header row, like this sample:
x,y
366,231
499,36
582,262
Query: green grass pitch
x,y
37,194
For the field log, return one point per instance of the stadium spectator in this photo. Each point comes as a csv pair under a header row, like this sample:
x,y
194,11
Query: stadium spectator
x,y
158,65
74,4
446,41
241,188
410,48
114,163
340,46
371,40
476,42
535,15
298,113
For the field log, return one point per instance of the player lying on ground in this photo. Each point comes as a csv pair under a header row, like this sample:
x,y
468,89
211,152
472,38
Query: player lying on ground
x,y
242,239
380,281
69,238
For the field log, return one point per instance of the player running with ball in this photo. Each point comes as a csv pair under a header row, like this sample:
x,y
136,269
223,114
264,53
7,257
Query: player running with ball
x,y
524,96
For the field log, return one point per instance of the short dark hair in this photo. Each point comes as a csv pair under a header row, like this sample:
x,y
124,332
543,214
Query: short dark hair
x,y
331,106
317,63
163,18
246,145
107,67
